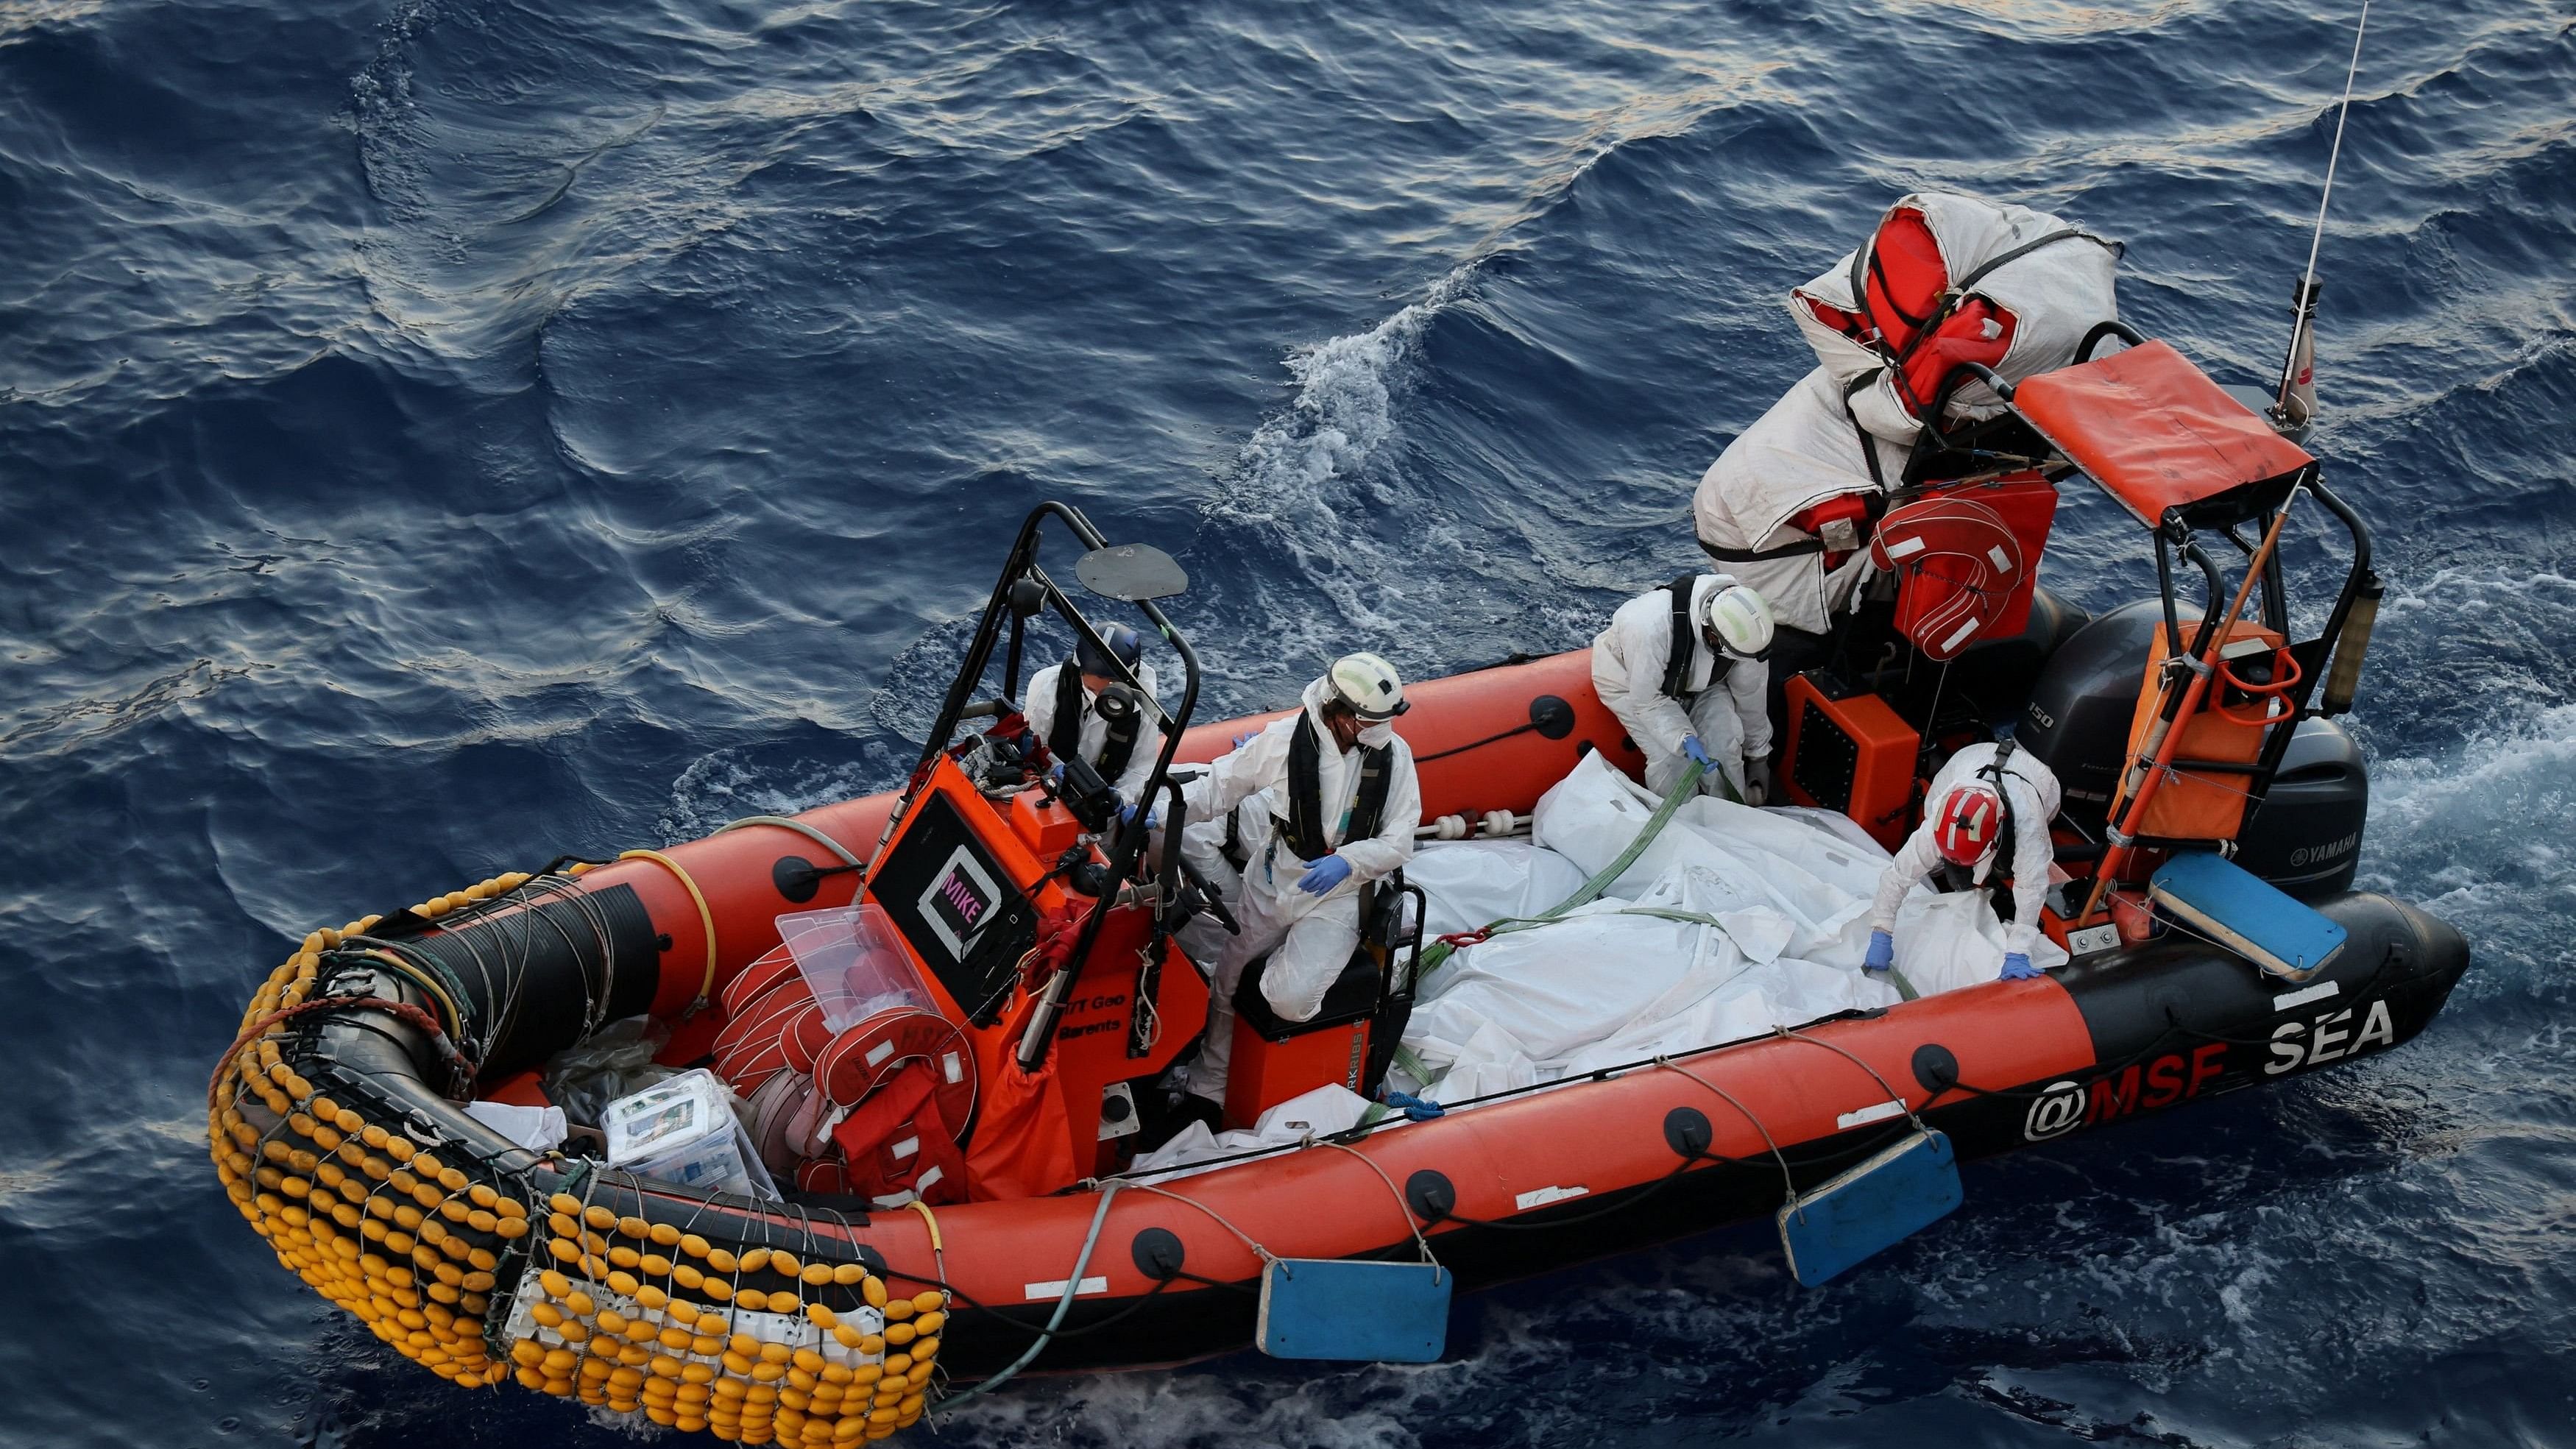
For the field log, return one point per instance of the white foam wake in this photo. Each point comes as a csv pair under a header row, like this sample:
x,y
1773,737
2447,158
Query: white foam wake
x,y
1302,479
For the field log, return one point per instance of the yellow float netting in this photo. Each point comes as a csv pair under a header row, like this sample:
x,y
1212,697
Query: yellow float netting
x,y
623,1314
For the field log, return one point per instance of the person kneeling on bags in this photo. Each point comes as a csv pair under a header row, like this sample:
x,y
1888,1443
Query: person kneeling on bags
x,y
1987,830
1343,802
1084,709
1685,669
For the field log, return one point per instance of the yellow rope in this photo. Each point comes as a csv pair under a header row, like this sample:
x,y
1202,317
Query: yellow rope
x,y
706,918
932,1218
429,987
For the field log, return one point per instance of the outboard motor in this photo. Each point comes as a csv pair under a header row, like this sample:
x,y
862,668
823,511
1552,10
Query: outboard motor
x,y
2306,838
2077,721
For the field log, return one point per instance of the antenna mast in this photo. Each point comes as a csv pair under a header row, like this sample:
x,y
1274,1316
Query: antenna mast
x,y
2295,401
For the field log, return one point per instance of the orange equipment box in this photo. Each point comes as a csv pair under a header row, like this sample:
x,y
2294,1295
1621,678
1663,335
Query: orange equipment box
x,y
2205,803
1848,751
1043,824
1265,1072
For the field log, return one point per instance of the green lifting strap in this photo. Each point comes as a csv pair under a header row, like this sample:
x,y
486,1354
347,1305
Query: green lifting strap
x,y
1591,890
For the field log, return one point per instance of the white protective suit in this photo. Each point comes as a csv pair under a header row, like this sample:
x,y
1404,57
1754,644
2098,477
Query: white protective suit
x,y
1309,938
1808,447
2030,787
1801,452
1733,722
1203,846
1095,730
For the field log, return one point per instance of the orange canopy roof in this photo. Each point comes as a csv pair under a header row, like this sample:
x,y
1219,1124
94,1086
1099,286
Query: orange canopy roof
x,y
2157,434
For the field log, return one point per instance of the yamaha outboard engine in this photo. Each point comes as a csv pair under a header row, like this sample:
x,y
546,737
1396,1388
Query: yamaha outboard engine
x,y
2077,721
2306,838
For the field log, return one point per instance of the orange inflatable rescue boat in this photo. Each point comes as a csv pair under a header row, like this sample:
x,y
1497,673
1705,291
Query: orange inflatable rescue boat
x,y
931,1182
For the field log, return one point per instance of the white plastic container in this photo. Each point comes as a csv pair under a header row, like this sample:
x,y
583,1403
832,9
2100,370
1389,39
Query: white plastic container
x,y
683,1131
854,963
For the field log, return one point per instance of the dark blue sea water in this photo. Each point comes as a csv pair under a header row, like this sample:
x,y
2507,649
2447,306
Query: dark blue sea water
x,y
439,434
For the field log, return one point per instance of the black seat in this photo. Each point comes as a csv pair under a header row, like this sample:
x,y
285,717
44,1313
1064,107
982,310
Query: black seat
x,y
1354,996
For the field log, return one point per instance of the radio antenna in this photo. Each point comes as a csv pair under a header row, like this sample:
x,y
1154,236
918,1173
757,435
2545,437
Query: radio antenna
x,y
2295,402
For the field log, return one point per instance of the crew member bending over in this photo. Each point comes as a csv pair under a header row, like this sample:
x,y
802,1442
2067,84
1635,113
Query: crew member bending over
x,y
1118,738
1340,790
1683,667
1987,830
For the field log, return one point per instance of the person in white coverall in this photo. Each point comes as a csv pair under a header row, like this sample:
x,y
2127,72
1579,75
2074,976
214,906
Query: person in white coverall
x,y
1302,905
1125,766
1988,826
1711,705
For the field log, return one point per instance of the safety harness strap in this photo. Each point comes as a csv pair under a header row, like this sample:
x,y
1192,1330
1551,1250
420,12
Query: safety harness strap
x,y
2005,832
1064,737
1303,831
1685,650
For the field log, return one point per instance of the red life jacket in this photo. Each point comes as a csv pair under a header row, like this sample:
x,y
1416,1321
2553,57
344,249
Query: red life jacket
x,y
1908,315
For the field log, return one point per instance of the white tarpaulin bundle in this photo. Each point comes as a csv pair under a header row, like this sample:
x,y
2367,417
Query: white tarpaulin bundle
x,y
1733,921
2049,285
2052,278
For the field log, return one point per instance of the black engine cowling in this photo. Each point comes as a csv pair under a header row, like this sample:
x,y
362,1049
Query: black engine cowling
x,y
2306,837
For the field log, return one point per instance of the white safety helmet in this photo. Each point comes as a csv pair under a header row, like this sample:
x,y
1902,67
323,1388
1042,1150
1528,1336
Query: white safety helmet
x,y
1370,686
1738,619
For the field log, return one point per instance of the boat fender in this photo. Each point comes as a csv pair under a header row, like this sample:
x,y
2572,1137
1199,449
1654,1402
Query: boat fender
x,y
1353,1311
1872,1207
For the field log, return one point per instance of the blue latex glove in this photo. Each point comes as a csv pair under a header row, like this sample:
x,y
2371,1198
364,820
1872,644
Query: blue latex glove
x,y
1245,738
1127,813
1882,952
1324,874
1055,773
2017,967
1697,751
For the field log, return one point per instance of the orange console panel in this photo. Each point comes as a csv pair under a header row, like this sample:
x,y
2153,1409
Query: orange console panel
x,y
1848,751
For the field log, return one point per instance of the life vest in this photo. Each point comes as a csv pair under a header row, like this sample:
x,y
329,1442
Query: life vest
x,y
872,1111
1064,738
1686,644
1920,321
1303,830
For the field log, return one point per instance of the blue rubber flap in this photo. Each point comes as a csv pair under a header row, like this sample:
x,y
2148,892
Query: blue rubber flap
x,y
1372,1312
1874,1206
2246,913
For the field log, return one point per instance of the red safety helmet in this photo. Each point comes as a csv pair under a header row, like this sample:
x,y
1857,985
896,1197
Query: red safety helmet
x,y
1965,827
